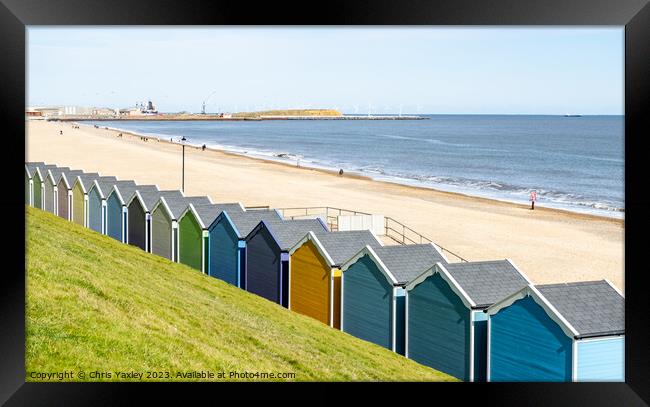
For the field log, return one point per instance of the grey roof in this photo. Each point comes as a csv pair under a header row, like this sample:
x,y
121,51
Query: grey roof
x,y
70,175
408,261
245,222
487,282
178,204
86,179
208,213
341,246
41,166
126,189
56,172
288,232
150,196
105,185
146,190
593,308
31,165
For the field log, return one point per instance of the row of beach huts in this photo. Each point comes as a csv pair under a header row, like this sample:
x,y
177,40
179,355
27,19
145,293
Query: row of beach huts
x,y
477,321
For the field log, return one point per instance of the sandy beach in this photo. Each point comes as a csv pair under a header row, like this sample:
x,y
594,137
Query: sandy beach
x,y
547,245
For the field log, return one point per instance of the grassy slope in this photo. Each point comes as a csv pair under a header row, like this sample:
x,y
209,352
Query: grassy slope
x,y
95,304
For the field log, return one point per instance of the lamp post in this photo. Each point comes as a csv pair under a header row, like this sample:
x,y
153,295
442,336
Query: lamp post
x,y
183,179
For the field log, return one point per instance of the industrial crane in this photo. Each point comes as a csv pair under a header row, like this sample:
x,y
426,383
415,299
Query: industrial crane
x,y
206,101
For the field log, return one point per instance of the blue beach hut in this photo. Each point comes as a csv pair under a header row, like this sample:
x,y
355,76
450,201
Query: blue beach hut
x,y
267,256
96,203
193,247
372,290
227,242
558,333
116,209
315,274
446,328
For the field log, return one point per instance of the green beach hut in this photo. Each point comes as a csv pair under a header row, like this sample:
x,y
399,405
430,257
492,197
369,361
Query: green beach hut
x,y
193,232
164,223
80,189
38,174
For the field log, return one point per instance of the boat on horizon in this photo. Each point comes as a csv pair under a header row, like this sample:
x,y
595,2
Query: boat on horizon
x,y
572,115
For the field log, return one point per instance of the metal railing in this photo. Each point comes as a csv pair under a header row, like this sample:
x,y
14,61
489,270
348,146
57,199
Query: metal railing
x,y
393,229
403,234
330,214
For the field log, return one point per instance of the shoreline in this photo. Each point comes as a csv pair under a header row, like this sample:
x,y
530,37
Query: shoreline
x,y
548,245
356,175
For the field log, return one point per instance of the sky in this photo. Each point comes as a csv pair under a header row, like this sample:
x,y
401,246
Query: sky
x,y
423,70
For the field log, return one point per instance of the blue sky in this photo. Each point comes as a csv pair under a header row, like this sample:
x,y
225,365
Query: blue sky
x,y
455,70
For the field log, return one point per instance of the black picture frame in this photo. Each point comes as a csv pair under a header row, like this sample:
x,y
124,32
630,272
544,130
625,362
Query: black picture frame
x,y
633,14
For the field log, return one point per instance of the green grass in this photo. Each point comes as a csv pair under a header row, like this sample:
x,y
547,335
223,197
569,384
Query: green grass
x,y
97,305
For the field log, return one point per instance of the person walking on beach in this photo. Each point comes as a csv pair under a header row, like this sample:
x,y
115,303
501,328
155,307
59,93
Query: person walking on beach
x,y
203,147
61,132
341,172
533,198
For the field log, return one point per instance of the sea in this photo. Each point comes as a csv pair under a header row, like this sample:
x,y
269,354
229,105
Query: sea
x,y
573,163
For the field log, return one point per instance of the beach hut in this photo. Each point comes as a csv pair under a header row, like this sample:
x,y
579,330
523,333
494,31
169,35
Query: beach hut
x,y
50,190
116,209
372,290
164,223
38,173
80,187
227,242
139,215
267,256
64,193
193,232
97,208
315,275
446,328
28,186
558,333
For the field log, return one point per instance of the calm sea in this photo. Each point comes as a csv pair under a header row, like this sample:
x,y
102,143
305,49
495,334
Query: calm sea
x,y
574,163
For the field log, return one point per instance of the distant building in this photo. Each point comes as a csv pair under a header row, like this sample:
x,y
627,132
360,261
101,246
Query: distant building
x,y
140,109
76,111
58,111
43,111
103,111
133,111
30,113
150,108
